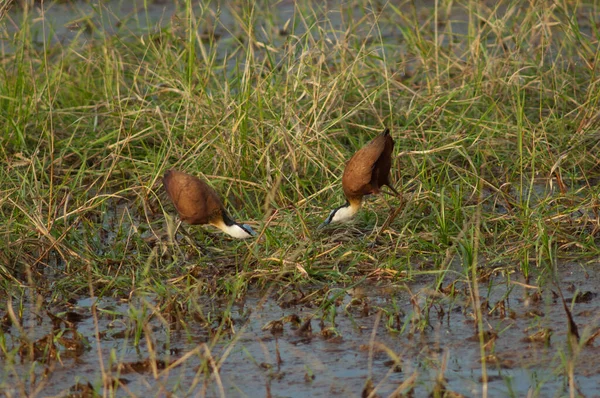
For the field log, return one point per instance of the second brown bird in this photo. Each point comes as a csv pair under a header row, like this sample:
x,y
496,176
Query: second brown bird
x,y
366,173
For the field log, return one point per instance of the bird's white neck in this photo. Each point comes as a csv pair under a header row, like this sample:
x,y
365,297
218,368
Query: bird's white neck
x,y
235,230
345,212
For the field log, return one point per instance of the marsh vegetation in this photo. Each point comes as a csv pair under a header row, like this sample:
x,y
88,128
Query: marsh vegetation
x,y
494,110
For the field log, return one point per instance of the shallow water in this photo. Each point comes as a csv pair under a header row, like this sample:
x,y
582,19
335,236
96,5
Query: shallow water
x,y
357,347
76,23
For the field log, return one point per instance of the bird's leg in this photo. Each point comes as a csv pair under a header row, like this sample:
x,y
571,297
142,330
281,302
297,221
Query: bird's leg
x,y
172,228
387,203
398,194
393,213
395,193
188,236
172,233
190,241
392,216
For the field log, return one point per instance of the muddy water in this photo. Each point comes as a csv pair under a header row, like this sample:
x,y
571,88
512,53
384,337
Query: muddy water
x,y
74,23
372,331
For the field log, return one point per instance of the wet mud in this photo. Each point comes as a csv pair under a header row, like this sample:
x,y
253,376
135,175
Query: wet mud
x,y
373,338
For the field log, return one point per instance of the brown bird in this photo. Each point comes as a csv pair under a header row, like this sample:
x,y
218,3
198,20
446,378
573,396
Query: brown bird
x,y
366,173
197,203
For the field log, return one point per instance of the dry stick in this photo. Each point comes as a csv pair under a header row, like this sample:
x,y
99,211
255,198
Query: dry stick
x,y
573,340
572,330
371,349
249,255
475,291
55,242
199,371
25,339
450,254
105,378
179,361
215,369
151,351
440,384
450,250
394,357
405,385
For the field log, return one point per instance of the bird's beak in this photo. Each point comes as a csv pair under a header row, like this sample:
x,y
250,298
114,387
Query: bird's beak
x,y
249,229
322,225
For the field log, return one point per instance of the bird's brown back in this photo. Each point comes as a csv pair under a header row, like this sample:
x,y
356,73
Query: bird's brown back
x,y
196,202
369,168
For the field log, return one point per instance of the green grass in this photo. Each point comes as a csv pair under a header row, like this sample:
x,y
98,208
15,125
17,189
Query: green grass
x,y
89,131
495,121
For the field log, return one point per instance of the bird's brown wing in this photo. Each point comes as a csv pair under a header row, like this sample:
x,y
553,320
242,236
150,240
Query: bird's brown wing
x,y
195,201
381,170
358,174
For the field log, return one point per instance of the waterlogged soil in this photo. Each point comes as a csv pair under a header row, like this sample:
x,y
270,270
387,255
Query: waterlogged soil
x,y
376,337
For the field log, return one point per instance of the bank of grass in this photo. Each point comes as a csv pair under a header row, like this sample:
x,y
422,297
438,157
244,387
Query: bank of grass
x,y
494,109
495,120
